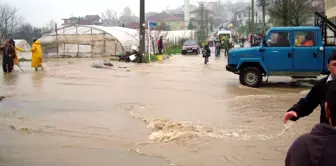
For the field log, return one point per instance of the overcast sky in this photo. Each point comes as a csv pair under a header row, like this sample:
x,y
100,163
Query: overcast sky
x,y
39,12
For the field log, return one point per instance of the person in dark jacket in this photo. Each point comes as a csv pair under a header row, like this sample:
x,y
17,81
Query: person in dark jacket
x,y
217,48
315,97
317,148
160,45
206,53
7,57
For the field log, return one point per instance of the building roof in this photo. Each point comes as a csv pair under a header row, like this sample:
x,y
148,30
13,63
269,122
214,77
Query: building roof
x,y
197,10
172,18
164,17
133,25
88,17
91,17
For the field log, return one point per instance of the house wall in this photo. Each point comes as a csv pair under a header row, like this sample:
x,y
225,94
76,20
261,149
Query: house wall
x,y
174,25
330,6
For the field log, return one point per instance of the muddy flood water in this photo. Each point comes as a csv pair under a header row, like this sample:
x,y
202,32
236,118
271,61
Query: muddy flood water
x,y
175,113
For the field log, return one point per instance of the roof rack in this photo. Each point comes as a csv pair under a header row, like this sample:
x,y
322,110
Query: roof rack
x,y
327,27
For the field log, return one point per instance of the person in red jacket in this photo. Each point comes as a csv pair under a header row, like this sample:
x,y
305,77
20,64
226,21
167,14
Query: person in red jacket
x,y
317,148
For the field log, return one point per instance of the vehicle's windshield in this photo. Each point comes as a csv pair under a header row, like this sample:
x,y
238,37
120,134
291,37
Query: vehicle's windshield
x,y
279,39
190,43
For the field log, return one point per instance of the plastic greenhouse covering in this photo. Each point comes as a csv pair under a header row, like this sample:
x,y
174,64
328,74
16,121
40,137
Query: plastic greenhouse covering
x,y
93,40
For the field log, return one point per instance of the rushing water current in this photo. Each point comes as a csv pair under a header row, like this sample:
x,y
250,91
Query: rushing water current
x,y
177,112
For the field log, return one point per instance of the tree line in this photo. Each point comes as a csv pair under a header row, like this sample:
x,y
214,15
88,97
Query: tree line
x,y
13,25
290,12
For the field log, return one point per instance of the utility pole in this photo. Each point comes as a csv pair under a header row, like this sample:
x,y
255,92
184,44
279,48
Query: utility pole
x,y
142,29
249,19
206,23
285,10
252,24
201,15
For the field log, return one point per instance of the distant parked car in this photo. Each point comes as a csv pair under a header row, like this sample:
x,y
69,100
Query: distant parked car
x,y
190,46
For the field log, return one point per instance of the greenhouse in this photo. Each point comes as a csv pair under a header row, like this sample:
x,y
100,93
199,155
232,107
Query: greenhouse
x,y
23,44
88,41
93,41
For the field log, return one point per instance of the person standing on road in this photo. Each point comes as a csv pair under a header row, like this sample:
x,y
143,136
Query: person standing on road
x,y
36,55
217,47
7,58
226,45
206,53
16,60
315,97
160,45
16,57
317,148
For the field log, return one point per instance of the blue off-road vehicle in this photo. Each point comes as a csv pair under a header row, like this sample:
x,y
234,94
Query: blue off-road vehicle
x,y
297,52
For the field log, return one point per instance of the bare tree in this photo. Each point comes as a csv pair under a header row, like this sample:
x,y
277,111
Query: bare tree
x,y
263,4
127,12
154,36
48,28
9,19
292,12
109,14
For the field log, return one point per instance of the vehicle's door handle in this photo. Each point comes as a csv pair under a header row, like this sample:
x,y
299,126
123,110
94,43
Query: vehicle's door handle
x,y
315,54
289,54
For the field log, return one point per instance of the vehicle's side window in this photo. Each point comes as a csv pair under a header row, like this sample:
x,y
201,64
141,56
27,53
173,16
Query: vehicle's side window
x,y
305,39
279,39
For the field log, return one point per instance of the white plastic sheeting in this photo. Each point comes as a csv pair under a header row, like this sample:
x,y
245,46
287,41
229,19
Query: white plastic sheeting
x,y
93,40
25,46
182,34
88,41
126,36
22,44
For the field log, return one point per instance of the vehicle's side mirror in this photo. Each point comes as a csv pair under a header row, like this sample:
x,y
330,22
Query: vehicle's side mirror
x,y
262,49
264,43
269,42
321,48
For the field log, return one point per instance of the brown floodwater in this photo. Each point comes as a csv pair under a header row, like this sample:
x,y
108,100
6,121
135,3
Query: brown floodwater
x,y
178,112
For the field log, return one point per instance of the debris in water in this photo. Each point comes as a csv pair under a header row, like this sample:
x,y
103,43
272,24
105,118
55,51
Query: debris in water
x,y
101,64
286,127
1,98
25,130
12,127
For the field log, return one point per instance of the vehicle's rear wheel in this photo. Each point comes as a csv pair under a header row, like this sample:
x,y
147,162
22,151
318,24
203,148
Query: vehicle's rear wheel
x,y
251,76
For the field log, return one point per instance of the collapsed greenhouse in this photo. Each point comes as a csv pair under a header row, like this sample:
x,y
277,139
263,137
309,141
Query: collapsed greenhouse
x,y
93,41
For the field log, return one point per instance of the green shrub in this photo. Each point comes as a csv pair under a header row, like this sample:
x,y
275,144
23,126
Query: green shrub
x,y
174,49
145,58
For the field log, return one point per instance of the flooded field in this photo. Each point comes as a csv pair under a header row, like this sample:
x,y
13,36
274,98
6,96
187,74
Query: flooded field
x,y
178,112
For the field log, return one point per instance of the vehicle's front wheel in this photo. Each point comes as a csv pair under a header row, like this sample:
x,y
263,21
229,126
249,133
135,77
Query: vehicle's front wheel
x,y
251,76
